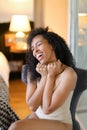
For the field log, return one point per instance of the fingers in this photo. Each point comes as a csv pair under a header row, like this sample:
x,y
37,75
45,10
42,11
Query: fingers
x,y
42,69
54,67
40,66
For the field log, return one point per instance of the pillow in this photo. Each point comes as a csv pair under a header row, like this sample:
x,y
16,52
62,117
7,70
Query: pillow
x,y
4,68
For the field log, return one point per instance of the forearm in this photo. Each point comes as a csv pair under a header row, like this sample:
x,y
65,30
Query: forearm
x,y
53,70
48,92
36,98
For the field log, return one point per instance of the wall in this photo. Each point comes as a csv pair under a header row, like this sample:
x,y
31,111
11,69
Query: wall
x,y
11,7
56,15
52,13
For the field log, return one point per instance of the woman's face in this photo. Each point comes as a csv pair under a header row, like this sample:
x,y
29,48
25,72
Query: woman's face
x,y
42,50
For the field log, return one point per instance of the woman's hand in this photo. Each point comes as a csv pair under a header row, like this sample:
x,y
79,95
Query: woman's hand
x,y
42,69
54,68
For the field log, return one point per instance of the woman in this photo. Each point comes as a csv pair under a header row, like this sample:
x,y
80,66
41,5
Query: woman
x,y
51,79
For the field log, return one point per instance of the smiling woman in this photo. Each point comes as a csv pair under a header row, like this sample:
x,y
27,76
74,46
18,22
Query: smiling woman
x,y
39,43
50,75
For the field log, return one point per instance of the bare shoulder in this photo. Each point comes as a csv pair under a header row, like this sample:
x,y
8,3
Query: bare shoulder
x,y
69,77
68,71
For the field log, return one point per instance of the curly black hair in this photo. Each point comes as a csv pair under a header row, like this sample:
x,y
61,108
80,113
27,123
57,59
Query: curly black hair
x,y
59,45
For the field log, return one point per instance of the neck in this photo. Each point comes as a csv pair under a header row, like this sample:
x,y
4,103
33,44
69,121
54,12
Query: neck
x,y
63,67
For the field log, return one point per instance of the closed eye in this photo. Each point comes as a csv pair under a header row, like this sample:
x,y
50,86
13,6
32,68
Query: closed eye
x,y
37,44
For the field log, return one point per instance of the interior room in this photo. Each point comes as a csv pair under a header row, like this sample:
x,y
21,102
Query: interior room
x,y
66,17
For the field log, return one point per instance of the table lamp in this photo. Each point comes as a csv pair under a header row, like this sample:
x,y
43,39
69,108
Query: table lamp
x,y
21,25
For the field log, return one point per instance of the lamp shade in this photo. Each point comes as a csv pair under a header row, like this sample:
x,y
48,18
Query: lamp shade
x,y
19,23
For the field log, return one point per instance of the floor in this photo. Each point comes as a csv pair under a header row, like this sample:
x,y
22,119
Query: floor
x,y
17,91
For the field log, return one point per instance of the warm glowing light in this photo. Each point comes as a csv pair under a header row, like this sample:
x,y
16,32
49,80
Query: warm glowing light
x,y
82,20
20,34
20,23
82,14
18,0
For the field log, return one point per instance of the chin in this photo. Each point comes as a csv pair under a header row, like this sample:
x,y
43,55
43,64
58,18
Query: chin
x,y
43,62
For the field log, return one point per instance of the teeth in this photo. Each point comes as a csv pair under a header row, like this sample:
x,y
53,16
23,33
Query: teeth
x,y
38,55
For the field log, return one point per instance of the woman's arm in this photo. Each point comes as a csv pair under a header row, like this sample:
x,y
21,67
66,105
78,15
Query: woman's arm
x,y
53,70
52,99
34,93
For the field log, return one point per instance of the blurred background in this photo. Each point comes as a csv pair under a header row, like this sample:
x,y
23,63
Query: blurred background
x,y
66,17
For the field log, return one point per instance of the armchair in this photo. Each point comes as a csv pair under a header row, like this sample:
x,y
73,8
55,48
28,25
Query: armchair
x,y
81,86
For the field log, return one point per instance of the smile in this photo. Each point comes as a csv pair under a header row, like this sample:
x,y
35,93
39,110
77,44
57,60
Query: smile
x,y
39,56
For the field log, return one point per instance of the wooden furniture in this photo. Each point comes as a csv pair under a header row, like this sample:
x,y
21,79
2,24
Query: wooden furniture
x,y
16,47
17,51
14,53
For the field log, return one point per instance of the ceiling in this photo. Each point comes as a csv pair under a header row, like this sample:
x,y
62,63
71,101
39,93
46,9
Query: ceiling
x,y
11,7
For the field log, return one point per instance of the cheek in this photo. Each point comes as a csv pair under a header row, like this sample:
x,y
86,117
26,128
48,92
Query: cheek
x,y
49,50
48,54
